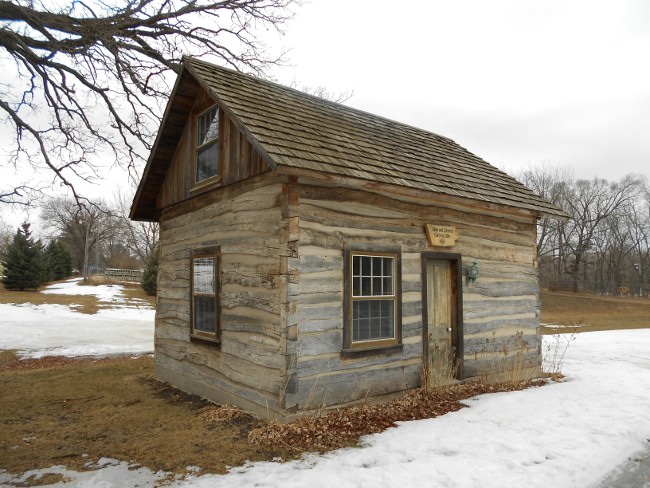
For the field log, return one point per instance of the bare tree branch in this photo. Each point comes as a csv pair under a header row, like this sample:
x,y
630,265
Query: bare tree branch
x,y
92,76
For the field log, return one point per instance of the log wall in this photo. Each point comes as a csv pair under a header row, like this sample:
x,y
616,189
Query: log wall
x,y
282,244
500,311
248,365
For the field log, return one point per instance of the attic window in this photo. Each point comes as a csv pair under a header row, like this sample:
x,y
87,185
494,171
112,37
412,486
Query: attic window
x,y
207,153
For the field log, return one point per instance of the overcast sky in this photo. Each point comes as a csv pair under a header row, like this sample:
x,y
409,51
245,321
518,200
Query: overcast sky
x,y
517,82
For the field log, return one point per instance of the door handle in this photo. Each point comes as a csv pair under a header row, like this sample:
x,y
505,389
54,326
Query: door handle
x,y
448,329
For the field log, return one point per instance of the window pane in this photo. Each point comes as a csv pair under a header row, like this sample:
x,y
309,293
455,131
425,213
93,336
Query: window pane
x,y
372,276
376,266
373,320
208,126
205,314
356,286
376,286
203,278
366,287
366,265
206,162
387,286
386,318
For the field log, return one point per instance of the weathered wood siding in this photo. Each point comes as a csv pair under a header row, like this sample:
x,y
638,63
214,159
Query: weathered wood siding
x,y
501,310
238,158
247,367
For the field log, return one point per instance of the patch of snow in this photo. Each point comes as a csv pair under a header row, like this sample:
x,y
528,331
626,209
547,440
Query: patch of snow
x,y
57,330
568,434
108,474
104,293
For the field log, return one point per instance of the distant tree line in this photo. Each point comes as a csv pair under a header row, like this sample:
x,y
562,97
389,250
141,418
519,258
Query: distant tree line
x,y
100,235
27,264
604,245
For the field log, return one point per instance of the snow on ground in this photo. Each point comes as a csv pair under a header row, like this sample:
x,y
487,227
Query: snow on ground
x,y
58,330
104,293
569,434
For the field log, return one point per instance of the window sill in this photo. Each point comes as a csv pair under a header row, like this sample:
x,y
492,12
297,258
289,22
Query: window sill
x,y
206,184
212,341
371,351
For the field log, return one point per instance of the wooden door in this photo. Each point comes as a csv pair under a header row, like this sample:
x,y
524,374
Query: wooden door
x,y
442,324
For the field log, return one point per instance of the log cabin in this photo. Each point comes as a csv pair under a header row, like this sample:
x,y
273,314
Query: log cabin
x,y
313,255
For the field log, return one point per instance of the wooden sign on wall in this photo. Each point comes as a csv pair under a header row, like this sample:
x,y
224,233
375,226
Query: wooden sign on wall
x,y
441,235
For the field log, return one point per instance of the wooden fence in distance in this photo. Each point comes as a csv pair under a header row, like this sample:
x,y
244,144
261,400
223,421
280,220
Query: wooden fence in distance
x,y
129,275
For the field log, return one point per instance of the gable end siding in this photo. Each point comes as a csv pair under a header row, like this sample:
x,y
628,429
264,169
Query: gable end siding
x,y
238,159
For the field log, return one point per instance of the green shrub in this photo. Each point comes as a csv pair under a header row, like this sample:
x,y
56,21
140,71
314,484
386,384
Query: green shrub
x,y
24,262
150,275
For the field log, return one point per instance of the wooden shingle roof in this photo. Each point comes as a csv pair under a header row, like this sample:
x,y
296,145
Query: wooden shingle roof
x,y
297,130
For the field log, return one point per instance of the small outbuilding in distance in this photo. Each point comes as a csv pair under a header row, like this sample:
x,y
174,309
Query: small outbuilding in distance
x,y
313,255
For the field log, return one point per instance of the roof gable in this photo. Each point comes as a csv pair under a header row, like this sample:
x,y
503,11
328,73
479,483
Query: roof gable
x,y
296,130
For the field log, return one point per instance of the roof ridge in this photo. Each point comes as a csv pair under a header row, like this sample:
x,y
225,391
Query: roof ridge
x,y
300,93
299,130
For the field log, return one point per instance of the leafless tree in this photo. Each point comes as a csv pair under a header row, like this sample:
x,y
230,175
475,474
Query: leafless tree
x,y
6,235
322,92
552,183
604,245
640,230
589,204
92,75
140,238
82,229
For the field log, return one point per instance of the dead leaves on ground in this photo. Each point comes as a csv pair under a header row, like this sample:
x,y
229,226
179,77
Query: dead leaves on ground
x,y
344,426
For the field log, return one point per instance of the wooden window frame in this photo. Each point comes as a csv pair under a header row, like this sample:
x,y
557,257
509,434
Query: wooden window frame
x,y
213,253
211,142
371,345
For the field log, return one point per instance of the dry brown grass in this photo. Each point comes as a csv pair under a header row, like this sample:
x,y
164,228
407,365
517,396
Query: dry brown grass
x,y
73,412
586,313
87,304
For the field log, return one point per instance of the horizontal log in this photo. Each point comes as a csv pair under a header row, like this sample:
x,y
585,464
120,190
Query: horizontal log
x,y
309,366
226,363
487,330
489,307
518,366
343,387
500,345
213,386
258,299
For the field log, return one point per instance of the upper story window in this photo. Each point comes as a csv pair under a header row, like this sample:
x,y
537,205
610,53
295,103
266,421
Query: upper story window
x,y
207,152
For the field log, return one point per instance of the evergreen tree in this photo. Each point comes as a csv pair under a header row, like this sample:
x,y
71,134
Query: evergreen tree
x,y
23,264
150,276
58,260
